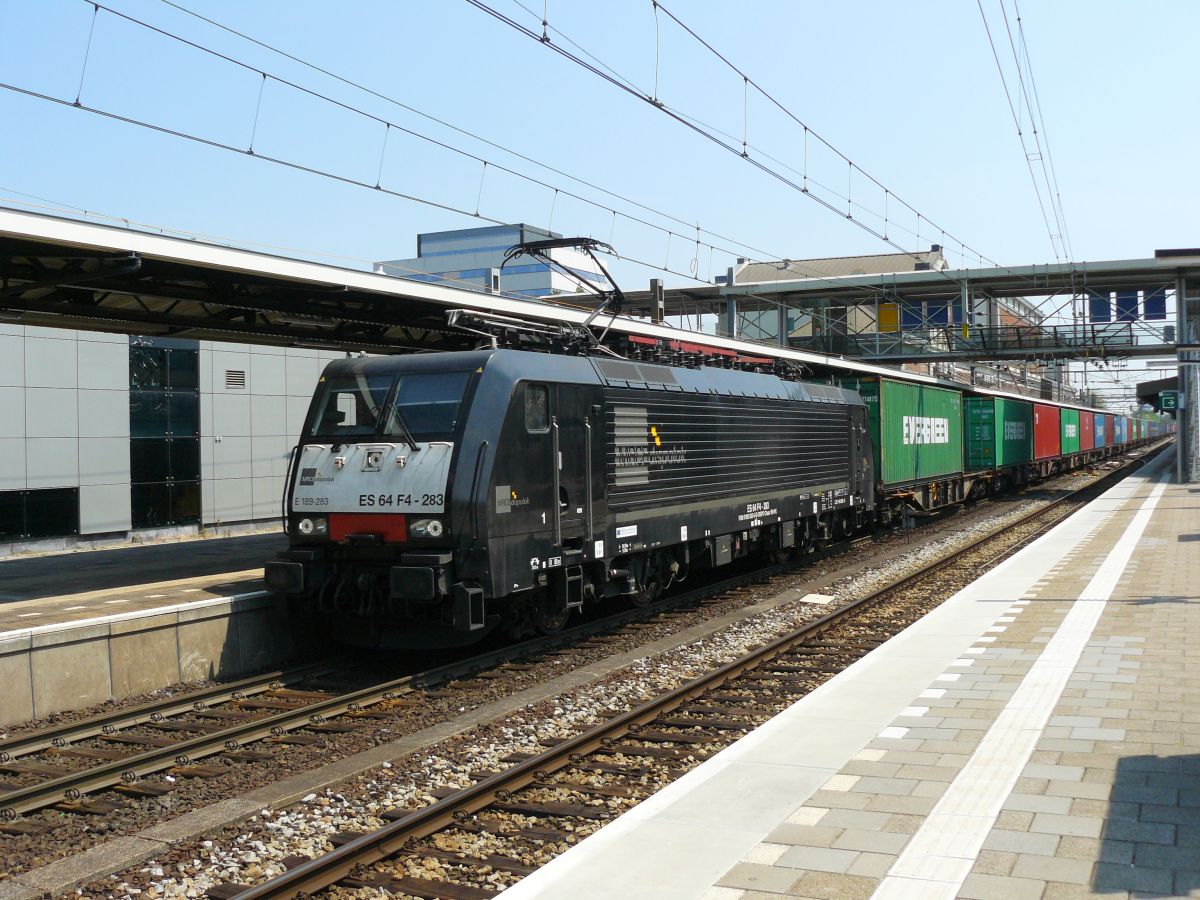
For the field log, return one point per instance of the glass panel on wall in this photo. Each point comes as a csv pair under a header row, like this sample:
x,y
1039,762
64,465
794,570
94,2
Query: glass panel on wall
x,y
12,515
149,459
51,512
150,505
185,459
183,413
164,422
184,366
148,414
185,502
147,368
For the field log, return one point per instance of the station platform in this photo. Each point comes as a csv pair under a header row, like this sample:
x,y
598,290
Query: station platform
x,y
1038,735
79,586
82,628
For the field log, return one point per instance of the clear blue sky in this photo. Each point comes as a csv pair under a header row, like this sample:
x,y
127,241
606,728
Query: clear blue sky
x,y
909,91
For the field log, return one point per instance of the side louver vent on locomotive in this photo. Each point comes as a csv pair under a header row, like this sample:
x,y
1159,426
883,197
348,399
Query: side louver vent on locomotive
x,y
235,379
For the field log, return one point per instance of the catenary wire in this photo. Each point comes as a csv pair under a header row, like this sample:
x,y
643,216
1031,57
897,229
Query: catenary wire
x,y
290,164
1045,135
809,131
447,124
1020,132
765,254
668,233
692,124
1033,122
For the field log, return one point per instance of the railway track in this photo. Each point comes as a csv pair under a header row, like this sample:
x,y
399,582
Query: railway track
x,y
476,840
63,766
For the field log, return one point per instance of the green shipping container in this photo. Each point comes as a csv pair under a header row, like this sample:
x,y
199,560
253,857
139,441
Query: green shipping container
x,y
999,432
1069,423
916,430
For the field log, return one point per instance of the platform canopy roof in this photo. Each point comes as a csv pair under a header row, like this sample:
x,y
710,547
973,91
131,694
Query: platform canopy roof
x,y
64,273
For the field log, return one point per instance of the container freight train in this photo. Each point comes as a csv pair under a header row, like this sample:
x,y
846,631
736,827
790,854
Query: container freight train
x,y
435,498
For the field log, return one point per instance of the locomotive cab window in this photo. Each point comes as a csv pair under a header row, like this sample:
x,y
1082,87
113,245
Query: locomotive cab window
x,y
351,405
428,403
537,408
375,405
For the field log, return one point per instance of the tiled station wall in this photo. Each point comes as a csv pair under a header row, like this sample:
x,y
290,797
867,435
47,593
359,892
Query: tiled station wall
x,y
65,428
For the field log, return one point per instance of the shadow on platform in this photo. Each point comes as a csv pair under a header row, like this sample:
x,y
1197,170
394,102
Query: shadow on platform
x,y
1150,845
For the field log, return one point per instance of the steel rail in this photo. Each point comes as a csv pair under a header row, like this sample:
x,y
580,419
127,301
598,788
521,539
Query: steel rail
x,y
57,736
327,869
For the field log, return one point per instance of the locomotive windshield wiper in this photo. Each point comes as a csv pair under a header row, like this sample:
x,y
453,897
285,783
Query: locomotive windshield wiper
x,y
398,418
391,419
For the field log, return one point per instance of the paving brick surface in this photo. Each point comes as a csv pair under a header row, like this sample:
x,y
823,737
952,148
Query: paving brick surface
x,y
1108,804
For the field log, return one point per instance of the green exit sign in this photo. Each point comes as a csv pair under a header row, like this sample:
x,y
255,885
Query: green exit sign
x,y
1169,399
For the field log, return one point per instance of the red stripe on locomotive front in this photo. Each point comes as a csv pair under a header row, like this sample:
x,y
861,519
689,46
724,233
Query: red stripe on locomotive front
x,y
388,526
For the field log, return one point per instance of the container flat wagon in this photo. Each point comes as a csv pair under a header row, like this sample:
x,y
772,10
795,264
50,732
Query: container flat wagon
x,y
917,437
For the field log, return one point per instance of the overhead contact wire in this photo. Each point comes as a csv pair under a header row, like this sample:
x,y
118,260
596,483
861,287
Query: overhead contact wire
x,y
767,255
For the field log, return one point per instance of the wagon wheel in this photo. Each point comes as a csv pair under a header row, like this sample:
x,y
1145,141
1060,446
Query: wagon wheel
x,y
547,619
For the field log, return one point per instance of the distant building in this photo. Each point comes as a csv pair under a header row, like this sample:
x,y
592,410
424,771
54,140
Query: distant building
x,y
472,258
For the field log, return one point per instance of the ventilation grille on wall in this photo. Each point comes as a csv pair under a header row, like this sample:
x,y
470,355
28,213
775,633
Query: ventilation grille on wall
x,y
235,380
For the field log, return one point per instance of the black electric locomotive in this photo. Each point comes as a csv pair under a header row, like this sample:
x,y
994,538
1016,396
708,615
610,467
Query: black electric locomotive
x,y
434,498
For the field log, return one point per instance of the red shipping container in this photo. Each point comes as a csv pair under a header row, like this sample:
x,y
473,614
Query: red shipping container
x,y
1110,430
1087,431
1046,436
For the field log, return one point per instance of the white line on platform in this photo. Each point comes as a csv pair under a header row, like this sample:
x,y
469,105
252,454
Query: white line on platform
x,y
941,854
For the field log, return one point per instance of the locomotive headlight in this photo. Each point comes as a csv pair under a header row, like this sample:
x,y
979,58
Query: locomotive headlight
x,y
427,528
308,527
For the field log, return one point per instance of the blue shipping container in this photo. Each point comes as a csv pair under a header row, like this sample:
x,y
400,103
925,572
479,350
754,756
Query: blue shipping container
x,y
1119,436
1099,430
